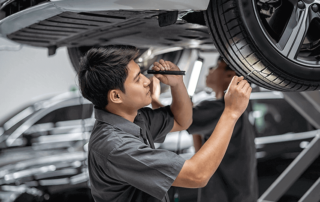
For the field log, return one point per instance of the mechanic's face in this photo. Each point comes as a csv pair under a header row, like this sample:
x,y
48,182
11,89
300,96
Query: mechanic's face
x,y
137,91
218,77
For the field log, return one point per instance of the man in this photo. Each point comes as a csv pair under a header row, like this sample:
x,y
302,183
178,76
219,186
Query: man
x,y
123,163
235,179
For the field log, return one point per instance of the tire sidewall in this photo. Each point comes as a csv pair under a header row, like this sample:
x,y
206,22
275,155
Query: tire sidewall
x,y
277,61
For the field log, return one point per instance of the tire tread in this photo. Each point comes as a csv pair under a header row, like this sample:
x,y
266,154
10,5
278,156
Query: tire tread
x,y
236,47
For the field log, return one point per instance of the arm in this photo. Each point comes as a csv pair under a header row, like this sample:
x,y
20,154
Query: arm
x,y
197,171
197,142
181,106
156,104
155,93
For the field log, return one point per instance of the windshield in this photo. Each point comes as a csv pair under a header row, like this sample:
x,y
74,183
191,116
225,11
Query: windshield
x,y
21,113
17,124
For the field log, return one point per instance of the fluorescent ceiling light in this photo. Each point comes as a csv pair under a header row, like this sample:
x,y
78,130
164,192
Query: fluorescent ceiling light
x,y
194,76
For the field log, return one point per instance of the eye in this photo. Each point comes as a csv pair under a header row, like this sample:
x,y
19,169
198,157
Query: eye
x,y
138,79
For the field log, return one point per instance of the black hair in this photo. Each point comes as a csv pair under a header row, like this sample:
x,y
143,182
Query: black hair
x,y
227,68
104,69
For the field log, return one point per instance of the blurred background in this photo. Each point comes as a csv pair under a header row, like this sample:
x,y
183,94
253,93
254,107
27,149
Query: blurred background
x,y
45,125
28,73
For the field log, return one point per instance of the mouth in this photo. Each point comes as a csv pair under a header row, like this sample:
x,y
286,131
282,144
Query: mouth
x,y
148,92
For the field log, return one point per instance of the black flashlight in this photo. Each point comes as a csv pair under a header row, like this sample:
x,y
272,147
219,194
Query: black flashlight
x,y
166,72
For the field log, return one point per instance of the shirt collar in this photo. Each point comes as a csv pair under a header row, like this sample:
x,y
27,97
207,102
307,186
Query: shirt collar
x,y
118,121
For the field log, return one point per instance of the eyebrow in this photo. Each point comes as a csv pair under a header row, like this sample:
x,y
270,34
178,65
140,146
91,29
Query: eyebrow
x,y
137,76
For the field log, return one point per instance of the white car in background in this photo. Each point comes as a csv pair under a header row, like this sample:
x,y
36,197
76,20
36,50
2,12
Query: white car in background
x,y
43,146
276,40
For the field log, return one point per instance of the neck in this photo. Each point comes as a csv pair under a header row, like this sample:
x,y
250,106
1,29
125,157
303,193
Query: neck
x,y
219,94
130,115
219,90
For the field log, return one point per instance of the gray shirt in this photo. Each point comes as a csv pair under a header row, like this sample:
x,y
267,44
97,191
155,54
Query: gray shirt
x,y
123,166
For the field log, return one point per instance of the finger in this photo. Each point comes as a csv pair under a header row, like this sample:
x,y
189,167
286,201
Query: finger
x,y
249,91
173,66
249,86
151,82
156,68
242,83
231,84
158,76
234,81
168,65
153,79
159,65
240,79
156,80
162,62
245,87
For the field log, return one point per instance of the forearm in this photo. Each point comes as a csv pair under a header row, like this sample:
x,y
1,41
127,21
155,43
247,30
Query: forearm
x,y
210,155
155,103
197,171
181,106
197,142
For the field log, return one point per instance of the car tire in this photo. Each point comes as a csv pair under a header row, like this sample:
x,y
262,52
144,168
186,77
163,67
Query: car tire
x,y
241,42
75,54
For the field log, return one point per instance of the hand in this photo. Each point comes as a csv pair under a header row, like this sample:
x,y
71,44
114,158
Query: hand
x,y
171,80
237,96
155,88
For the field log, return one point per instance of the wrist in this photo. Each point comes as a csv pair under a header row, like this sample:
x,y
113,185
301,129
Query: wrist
x,y
231,114
155,98
153,101
177,84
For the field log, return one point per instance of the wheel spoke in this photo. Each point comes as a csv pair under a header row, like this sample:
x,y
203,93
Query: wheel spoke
x,y
295,32
293,2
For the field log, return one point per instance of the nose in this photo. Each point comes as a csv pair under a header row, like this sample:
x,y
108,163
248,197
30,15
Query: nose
x,y
146,82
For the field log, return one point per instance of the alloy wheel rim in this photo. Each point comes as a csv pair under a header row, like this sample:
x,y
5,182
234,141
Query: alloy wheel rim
x,y
292,27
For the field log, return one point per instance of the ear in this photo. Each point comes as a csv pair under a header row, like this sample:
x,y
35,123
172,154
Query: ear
x,y
115,96
231,74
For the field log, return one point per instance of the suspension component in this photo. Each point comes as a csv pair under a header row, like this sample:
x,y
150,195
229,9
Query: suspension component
x,y
301,5
268,7
315,7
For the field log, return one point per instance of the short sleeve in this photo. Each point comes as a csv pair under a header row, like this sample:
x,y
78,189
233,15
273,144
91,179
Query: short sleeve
x,y
205,117
150,170
159,122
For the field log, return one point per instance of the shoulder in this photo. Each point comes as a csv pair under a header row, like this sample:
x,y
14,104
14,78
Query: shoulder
x,y
145,110
105,138
148,112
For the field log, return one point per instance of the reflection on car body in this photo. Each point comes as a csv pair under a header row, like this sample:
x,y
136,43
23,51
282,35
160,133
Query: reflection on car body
x,y
54,126
274,38
50,171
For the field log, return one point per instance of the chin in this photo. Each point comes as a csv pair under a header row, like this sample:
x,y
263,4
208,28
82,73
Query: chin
x,y
149,101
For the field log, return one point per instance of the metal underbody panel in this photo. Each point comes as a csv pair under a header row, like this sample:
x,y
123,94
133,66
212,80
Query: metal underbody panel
x,y
79,23
99,5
